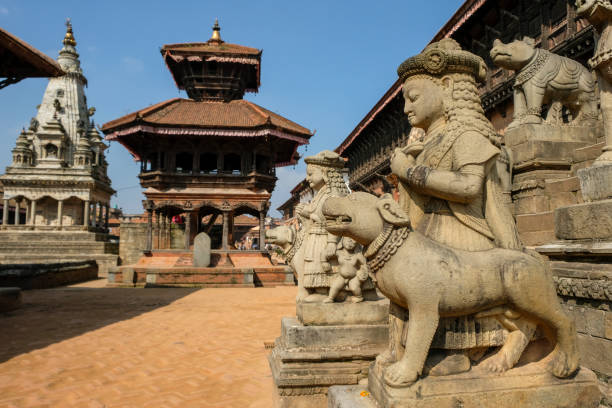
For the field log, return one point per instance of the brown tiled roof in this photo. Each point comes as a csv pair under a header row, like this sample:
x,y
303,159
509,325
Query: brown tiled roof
x,y
236,114
27,62
209,47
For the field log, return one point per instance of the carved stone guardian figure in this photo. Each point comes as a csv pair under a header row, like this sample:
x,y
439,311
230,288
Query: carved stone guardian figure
x,y
546,78
450,249
324,177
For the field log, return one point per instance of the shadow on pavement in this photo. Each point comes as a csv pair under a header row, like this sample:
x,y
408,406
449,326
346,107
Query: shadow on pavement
x,y
52,315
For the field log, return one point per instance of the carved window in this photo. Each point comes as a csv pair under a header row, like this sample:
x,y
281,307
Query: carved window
x,y
51,151
208,163
184,162
232,163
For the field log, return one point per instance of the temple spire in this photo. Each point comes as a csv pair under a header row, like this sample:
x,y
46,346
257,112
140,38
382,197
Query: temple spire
x,y
69,37
216,34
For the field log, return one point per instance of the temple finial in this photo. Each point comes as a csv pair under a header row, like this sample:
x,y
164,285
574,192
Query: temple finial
x,y
69,38
216,34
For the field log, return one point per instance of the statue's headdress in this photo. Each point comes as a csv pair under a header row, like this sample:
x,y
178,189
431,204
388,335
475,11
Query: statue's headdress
x,y
443,57
326,158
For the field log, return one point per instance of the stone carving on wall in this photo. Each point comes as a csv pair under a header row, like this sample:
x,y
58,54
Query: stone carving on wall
x,y
546,78
598,289
450,247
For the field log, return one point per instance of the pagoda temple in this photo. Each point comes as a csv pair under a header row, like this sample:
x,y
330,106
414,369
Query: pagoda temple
x,y
211,157
59,177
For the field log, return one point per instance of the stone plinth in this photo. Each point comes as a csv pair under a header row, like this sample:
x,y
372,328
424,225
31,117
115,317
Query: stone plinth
x,y
596,182
307,360
326,314
584,221
529,386
542,146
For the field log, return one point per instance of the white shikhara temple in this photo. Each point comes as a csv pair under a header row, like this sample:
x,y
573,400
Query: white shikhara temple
x,y
58,176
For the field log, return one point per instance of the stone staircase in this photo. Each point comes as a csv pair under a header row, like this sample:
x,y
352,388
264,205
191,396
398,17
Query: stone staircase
x,y
19,247
534,206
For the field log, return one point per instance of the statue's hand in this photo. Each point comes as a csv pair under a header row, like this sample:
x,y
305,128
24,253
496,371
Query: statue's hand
x,y
400,162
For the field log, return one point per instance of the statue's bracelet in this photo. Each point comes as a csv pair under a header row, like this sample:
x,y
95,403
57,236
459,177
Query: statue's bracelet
x,y
417,176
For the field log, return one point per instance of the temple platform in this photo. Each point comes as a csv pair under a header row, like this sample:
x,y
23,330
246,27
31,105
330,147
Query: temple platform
x,y
172,268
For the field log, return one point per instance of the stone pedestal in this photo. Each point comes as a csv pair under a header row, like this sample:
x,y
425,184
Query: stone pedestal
x,y
529,386
547,146
544,157
309,358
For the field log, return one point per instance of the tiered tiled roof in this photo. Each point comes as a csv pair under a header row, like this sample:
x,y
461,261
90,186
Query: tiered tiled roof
x,y
179,112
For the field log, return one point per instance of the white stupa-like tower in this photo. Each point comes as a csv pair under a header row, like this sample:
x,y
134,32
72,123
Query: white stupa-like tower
x,y
59,171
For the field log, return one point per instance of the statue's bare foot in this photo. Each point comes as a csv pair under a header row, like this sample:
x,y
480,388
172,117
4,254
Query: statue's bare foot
x,y
301,295
499,362
314,297
328,300
357,299
451,364
385,358
400,374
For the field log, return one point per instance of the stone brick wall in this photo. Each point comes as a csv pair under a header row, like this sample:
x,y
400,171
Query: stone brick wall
x,y
132,241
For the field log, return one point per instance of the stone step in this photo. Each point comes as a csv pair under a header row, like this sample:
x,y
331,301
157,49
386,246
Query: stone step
x,y
588,152
7,236
58,247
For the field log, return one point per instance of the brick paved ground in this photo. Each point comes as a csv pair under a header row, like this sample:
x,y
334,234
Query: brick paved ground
x,y
91,346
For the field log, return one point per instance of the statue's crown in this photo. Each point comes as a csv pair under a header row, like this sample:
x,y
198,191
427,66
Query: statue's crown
x,y
443,57
326,158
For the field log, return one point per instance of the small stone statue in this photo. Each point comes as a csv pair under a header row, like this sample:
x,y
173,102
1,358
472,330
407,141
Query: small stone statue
x,y
323,173
352,271
542,78
599,14
33,125
450,248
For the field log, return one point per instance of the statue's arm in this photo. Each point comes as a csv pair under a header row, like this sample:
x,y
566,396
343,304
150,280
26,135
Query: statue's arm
x,y
460,186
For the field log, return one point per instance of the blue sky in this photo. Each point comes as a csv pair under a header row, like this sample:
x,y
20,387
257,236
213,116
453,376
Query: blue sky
x,y
324,63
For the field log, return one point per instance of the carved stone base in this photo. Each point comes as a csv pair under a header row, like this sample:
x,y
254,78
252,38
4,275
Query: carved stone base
x,y
548,146
306,360
529,386
343,313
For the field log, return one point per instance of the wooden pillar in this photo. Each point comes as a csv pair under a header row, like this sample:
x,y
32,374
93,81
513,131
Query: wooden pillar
x,y
100,215
163,231
225,230
33,213
106,215
158,245
5,211
86,205
149,230
187,229
60,212
262,230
